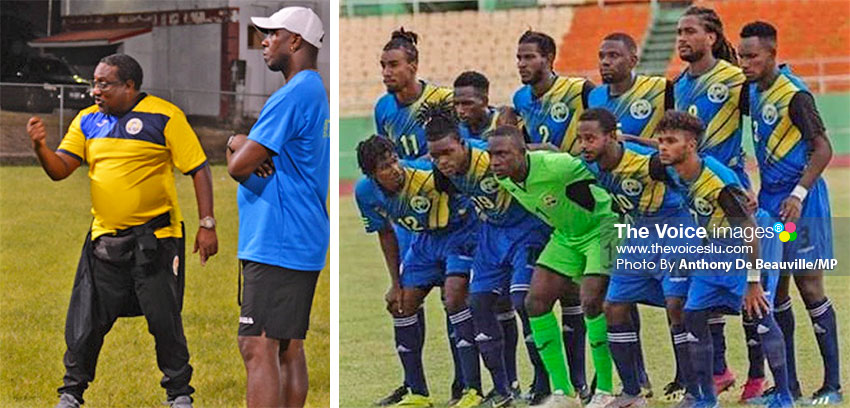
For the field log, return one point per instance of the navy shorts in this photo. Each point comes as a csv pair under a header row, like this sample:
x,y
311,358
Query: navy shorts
x,y
435,255
814,228
505,256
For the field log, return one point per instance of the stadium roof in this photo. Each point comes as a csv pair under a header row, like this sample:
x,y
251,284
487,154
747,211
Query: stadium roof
x,y
87,38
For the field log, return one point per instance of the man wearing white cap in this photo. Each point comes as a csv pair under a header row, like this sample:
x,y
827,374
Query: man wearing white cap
x,y
282,166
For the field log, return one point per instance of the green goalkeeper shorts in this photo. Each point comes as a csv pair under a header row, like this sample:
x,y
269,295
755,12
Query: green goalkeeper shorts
x,y
574,257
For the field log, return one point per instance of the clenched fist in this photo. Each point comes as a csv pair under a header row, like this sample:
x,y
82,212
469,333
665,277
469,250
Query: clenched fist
x,y
37,132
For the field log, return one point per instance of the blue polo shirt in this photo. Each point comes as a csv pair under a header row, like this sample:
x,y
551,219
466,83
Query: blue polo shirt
x,y
283,218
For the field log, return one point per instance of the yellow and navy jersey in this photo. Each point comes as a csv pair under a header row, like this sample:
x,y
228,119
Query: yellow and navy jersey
x,y
493,203
421,205
401,123
639,109
780,144
131,162
553,117
638,184
715,199
481,134
718,98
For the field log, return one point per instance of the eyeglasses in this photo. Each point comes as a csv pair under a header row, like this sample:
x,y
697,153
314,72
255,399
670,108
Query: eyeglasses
x,y
103,86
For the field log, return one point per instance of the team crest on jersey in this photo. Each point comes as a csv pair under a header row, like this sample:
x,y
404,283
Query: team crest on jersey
x,y
559,112
703,207
769,114
640,109
549,200
420,204
718,93
631,186
489,185
693,111
133,126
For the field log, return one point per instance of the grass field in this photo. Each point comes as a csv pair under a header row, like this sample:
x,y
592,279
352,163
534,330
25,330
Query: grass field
x,y
42,226
369,367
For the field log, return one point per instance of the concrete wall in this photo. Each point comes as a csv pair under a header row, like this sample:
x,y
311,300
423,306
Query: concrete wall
x,y
178,58
258,78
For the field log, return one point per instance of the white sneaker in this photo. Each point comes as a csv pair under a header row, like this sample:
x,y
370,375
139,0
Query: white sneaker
x,y
600,400
559,400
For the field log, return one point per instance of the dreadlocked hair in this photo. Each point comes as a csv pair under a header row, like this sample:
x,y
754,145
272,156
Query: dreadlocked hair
x,y
405,41
722,48
438,119
371,151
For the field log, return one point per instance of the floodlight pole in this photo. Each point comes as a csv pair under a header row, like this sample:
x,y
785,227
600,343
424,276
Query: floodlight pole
x,y
49,15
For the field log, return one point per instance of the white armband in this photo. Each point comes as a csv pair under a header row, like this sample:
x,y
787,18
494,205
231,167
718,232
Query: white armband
x,y
753,275
800,192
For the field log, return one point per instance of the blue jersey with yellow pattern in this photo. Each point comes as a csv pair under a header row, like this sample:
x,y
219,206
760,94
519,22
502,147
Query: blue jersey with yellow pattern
x,y
639,109
716,98
638,186
481,134
420,206
780,147
553,117
494,203
401,123
714,199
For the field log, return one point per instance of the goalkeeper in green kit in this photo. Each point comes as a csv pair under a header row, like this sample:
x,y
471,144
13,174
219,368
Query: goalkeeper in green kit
x,y
562,192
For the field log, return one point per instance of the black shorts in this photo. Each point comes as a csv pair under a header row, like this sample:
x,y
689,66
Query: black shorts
x,y
276,300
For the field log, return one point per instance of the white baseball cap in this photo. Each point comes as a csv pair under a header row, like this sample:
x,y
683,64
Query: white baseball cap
x,y
299,20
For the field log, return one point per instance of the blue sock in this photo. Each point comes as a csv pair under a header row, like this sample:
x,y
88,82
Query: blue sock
x,y
784,316
718,339
575,337
511,332
409,347
643,377
541,377
622,340
466,349
681,349
826,332
773,345
755,350
701,353
489,339
457,382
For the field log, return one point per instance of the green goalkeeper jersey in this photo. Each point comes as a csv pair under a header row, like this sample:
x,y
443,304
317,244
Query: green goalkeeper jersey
x,y
562,192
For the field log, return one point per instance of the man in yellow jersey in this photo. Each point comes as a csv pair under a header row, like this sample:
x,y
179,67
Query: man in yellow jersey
x,y
132,261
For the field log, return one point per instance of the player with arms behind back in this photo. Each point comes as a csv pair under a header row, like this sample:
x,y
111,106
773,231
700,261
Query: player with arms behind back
x,y
549,104
792,151
712,89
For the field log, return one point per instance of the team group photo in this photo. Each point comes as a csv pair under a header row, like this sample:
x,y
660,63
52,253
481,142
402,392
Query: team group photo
x,y
594,203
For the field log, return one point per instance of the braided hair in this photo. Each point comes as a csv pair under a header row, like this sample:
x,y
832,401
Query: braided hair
x,y
722,48
439,120
405,41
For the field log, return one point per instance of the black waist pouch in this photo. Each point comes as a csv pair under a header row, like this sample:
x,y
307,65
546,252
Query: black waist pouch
x,y
137,243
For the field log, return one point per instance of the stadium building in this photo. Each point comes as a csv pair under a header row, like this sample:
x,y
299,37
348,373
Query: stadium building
x,y
190,51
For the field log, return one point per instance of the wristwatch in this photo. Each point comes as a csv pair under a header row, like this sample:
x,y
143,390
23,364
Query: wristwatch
x,y
229,141
207,222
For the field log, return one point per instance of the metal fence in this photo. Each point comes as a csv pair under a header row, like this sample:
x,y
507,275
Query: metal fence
x,y
214,115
